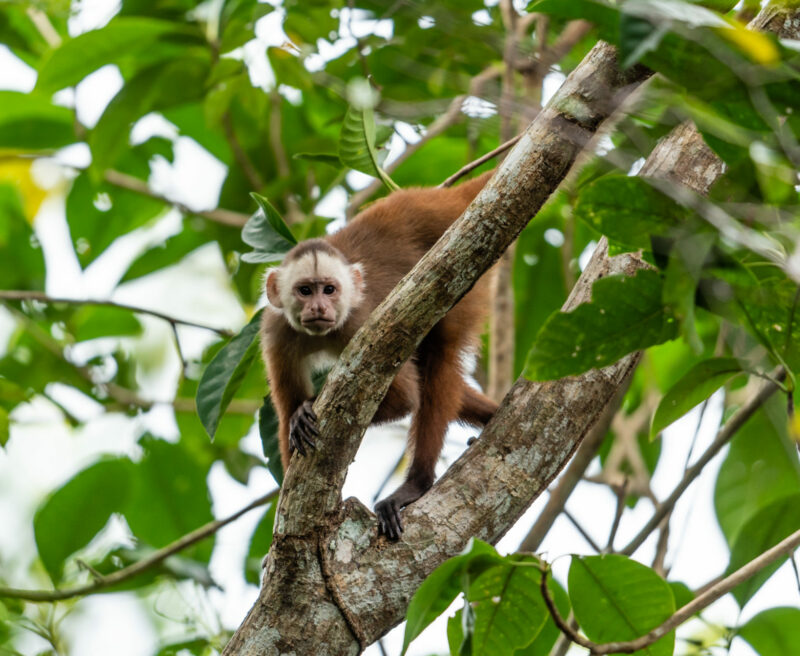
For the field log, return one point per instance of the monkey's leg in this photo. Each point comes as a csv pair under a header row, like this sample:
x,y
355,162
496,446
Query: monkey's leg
x,y
440,397
476,408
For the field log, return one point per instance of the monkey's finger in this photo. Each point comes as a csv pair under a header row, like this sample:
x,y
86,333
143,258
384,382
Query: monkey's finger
x,y
309,425
298,444
394,523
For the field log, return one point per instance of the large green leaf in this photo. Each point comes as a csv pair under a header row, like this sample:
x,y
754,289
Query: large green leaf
x,y
547,637
123,37
508,606
774,632
628,210
160,86
73,514
170,497
357,147
760,468
267,233
32,122
615,598
700,382
225,374
624,315
444,584
763,530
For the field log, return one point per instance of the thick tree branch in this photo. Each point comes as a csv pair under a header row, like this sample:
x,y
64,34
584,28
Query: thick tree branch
x,y
127,573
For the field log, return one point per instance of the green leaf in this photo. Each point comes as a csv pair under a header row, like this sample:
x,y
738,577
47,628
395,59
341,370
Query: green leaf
x,y
538,278
331,159
773,632
260,543
615,598
225,374
91,322
443,585
604,16
763,530
700,382
32,122
22,261
73,514
628,210
170,497
357,145
681,592
160,86
5,427
637,37
125,36
547,637
267,233
268,430
760,468
508,606
624,315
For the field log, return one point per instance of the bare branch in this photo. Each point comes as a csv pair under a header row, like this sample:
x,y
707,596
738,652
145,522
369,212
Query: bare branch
x,y
723,437
102,582
132,183
24,295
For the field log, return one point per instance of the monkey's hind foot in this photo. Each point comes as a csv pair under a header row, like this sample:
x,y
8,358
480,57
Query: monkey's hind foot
x,y
303,428
388,509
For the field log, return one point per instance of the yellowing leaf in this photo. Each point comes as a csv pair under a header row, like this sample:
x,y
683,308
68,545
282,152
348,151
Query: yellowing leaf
x,y
17,172
755,45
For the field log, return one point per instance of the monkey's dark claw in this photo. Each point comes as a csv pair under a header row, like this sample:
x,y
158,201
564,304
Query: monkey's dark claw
x,y
389,522
303,428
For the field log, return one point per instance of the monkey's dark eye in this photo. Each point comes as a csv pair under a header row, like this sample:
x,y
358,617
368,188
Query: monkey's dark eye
x,y
329,289
305,290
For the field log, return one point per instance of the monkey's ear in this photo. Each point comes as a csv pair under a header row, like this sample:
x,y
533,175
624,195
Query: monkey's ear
x,y
357,274
273,292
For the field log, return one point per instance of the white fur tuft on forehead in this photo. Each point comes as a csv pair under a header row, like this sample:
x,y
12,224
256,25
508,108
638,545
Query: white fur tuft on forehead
x,y
316,264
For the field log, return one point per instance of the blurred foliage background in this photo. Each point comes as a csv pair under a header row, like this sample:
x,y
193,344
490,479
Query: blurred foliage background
x,y
144,130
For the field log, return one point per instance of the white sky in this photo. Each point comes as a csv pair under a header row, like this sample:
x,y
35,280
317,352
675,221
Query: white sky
x,y
43,452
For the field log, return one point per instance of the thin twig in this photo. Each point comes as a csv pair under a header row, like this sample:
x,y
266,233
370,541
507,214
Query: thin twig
x,y
723,437
24,295
713,593
622,492
589,540
136,568
132,183
464,170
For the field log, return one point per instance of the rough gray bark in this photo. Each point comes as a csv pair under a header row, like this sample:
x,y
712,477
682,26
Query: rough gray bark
x,y
330,584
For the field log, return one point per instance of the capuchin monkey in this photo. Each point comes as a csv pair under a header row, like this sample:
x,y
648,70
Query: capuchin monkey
x,y
326,288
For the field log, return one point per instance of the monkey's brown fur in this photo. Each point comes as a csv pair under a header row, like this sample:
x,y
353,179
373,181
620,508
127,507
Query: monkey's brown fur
x,y
388,239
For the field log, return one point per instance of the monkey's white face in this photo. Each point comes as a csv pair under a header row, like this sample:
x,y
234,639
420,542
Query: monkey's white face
x,y
316,292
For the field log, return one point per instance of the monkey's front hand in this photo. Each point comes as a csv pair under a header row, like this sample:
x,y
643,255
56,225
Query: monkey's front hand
x,y
303,428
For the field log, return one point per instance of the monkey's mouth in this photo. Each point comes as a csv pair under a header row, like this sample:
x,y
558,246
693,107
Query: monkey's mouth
x,y
318,325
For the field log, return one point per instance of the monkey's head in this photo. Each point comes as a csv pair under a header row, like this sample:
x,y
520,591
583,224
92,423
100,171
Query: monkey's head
x,y
315,287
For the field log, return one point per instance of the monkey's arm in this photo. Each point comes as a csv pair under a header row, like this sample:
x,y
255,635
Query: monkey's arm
x,y
291,394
